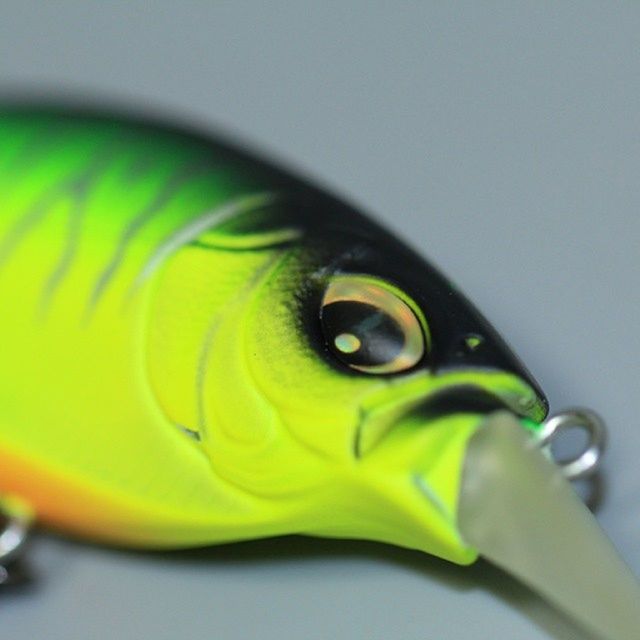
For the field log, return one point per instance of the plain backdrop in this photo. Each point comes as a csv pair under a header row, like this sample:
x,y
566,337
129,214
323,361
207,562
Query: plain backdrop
x,y
500,139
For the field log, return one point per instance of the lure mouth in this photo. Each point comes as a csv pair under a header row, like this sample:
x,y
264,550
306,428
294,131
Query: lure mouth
x,y
429,400
469,400
517,509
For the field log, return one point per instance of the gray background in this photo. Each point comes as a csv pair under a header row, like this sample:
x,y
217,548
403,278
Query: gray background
x,y
503,140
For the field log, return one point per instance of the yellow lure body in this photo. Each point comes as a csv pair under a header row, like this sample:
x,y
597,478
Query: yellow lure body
x,y
158,385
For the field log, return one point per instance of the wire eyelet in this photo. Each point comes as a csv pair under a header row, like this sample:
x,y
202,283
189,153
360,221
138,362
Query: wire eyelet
x,y
588,460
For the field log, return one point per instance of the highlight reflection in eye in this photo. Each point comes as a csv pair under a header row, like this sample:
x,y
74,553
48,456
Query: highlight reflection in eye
x,y
370,326
347,343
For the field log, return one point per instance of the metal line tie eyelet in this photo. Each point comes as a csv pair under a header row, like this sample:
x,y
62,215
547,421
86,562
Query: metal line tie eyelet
x,y
588,460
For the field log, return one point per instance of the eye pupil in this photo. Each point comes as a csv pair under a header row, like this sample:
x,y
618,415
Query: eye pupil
x,y
347,343
364,335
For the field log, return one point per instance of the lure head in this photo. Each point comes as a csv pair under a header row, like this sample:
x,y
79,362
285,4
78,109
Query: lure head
x,y
339,378
340,386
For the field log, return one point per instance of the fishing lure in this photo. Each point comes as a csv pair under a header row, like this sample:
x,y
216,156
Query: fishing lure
x,y
199,348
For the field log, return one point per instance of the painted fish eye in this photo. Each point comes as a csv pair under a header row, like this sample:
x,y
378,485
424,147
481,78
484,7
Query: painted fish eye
x,y
372,327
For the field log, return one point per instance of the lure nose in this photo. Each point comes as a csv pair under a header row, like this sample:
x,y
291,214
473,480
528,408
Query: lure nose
x,y
518,510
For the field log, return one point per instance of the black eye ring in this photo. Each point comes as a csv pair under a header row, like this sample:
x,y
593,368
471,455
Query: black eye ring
x,y
371,326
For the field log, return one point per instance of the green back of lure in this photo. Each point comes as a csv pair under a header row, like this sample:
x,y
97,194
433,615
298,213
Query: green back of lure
x,y
199,347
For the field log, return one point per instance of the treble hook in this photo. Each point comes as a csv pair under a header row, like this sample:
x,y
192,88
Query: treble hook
x,y
14,534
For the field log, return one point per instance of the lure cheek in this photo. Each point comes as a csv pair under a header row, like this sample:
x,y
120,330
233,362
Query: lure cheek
x,y
194,333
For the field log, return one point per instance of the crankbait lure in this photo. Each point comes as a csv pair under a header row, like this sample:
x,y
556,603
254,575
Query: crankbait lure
x,y
200,348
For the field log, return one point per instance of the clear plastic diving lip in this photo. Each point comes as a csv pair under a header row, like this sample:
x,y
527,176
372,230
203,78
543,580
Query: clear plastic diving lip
x,y
518,510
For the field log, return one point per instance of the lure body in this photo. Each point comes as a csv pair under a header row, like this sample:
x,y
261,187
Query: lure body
x,y
199,347
164,378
